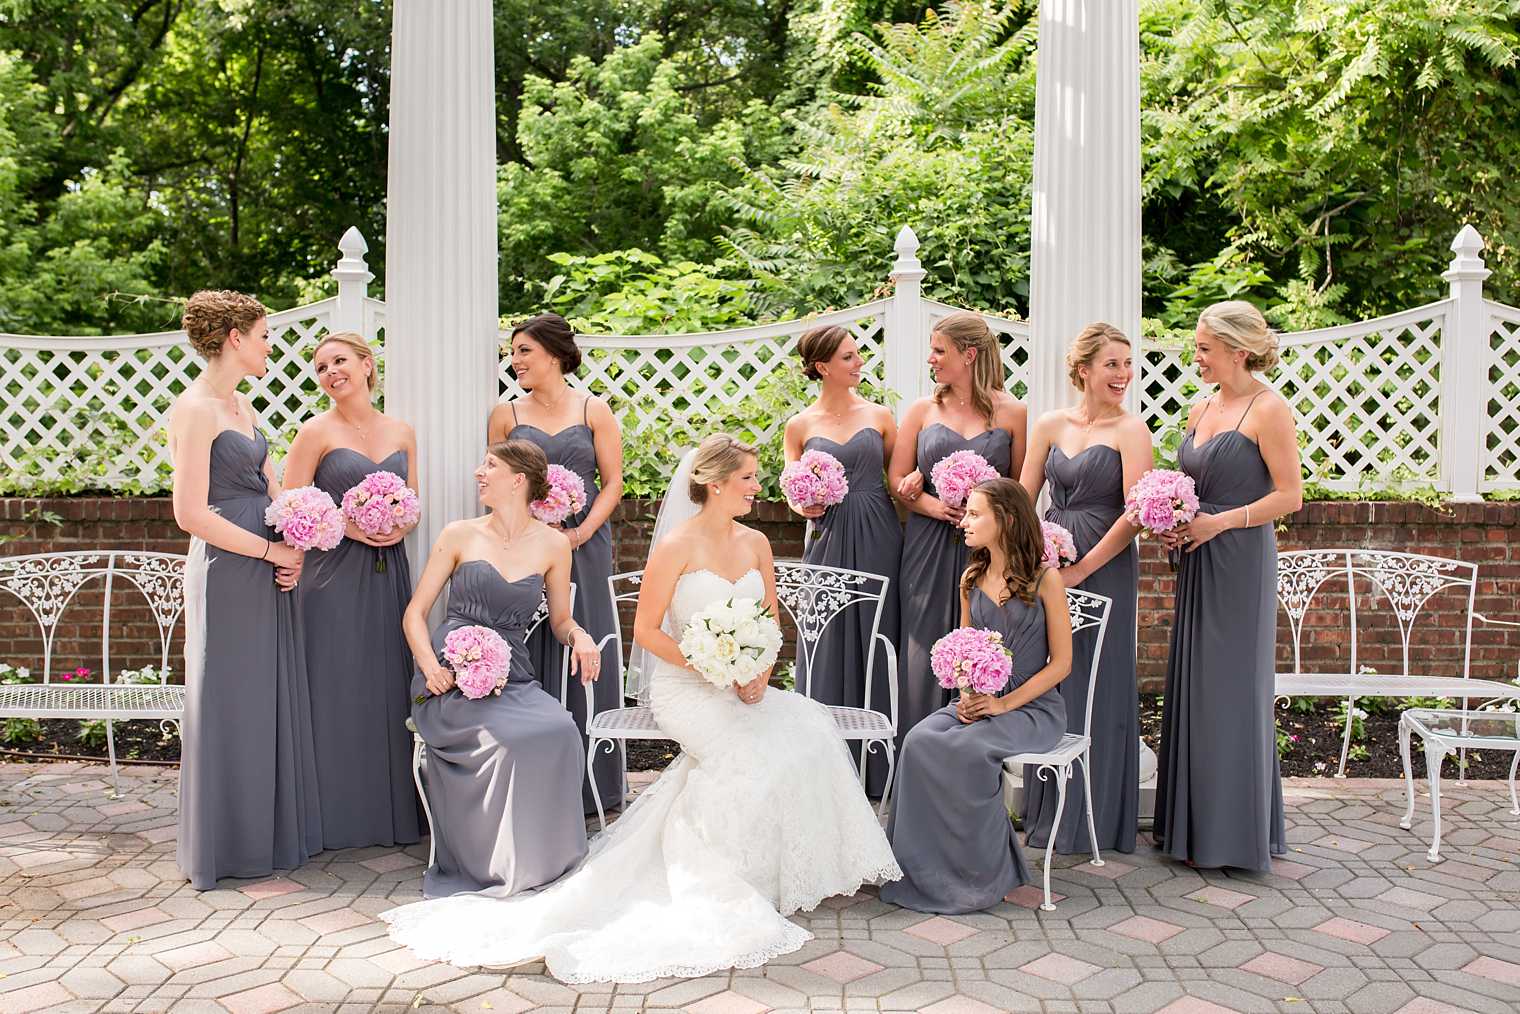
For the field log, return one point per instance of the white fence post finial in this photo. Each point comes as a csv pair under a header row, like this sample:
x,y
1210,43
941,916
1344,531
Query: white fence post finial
x,y
353,276
906,372
1464,370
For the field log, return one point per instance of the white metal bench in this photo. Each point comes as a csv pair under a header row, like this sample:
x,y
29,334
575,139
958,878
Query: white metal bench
x,y
419,744
1089,612
47,584
813,596
1402,582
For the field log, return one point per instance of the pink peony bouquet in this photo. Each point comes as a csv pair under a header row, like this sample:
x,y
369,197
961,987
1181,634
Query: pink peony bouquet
x,y
816,479
971,658
306,518
567,496
956,474
1060,547
480,658
381,503
1161,500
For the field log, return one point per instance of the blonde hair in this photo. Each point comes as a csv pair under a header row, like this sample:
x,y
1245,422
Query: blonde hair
x,y
718,457
211,314
357,345
967,330
1240,325
1085,348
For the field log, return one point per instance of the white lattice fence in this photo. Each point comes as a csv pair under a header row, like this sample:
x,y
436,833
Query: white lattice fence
x,y
98,406
1501,436
681,381
1013,343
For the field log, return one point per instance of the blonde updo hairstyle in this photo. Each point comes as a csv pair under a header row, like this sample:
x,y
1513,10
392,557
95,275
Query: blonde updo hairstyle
x,y
527,459
967,330
818,346
718,457
212,314
1240,325
356,344
1085,348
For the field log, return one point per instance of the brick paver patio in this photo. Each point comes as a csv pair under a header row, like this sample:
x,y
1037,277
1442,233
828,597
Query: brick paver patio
x,y
95,917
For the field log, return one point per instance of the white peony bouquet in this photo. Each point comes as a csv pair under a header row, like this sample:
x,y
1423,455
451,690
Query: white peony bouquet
x,y
731,642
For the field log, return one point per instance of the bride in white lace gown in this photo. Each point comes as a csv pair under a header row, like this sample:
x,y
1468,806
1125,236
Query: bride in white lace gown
x,y
759,817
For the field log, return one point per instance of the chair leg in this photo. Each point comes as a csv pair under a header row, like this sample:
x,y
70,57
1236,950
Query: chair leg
x,y
596,793
111,749
1340,772
427,811
886,787
1061,774
1092,833
623,761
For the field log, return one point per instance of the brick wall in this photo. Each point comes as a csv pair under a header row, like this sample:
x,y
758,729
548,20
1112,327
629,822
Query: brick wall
x,y
1479,533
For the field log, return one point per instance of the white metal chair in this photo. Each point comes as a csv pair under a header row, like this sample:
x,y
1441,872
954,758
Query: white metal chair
x,y
1405,582
1089,611
814,597
418,744
46,584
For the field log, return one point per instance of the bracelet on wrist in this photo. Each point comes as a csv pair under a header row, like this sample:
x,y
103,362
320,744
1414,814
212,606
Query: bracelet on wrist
x,y
265,555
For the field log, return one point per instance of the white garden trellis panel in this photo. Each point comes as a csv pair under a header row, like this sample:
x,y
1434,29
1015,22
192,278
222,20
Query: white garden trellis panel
x,y
1369,396
680,381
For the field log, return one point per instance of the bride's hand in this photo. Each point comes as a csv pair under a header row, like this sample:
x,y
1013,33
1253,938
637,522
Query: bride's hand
x,y
753,691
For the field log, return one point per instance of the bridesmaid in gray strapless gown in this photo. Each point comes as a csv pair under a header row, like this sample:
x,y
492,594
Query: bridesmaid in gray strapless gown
x,y
949,829
590,566
248,783
359,670
934,555
502,773
1087,497
861,533
1218,788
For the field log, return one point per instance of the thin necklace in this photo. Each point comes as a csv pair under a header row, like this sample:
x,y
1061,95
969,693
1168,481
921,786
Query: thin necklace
x,y
550,407
363,430
508,538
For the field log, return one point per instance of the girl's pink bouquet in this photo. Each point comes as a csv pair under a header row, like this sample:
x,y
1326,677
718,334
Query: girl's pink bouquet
x,y
955,475
1060,547
378,505
971,658
816,479
1162,499
306,518
567,496
480,658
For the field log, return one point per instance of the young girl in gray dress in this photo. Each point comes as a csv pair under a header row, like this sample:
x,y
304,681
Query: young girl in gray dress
x,y
969,410
1218,792
950,831
351,601
579,432
859,533
248,800
503,773
1089,455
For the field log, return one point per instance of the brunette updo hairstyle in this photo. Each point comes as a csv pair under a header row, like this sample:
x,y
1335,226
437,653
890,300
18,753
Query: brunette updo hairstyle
x,y
1085,348
525,458
557,337
818,346
718,457
356,344
1241,326
211,314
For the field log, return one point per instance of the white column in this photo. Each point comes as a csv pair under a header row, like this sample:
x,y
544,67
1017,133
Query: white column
x,y
1085,222
1464,369
440,249
904,334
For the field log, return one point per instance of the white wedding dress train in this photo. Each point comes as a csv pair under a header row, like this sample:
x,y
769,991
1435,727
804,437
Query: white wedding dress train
x,y
759,817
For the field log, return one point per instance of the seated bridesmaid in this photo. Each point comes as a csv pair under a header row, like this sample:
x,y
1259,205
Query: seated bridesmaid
x,y
503,773
350,602
950,831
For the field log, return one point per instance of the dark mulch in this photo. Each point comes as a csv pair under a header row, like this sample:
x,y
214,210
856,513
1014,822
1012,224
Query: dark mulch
x,y
1315,751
